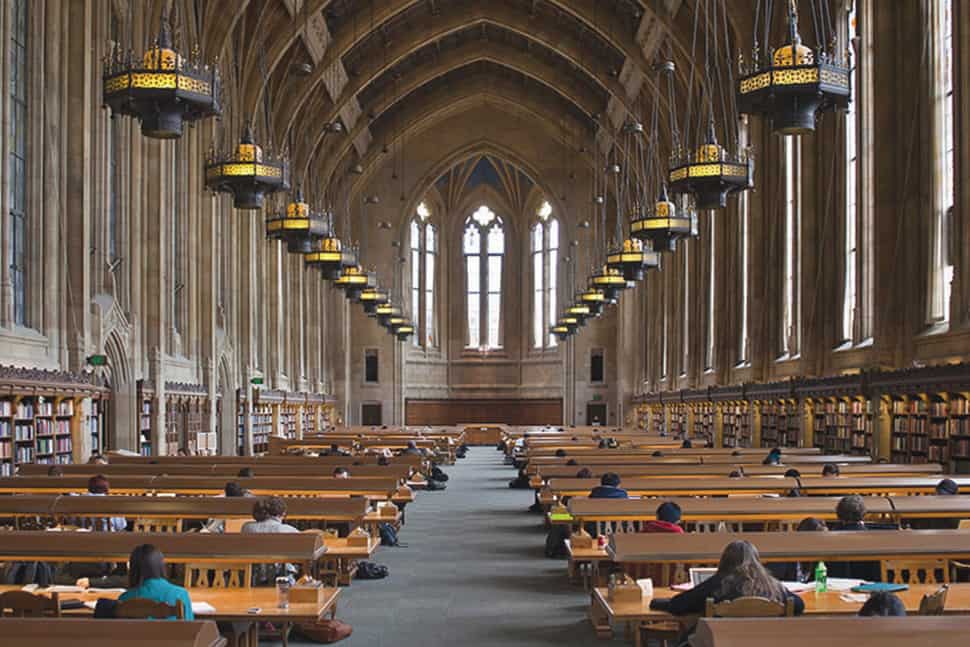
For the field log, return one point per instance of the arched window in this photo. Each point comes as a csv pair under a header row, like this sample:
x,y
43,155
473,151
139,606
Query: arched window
x,y
483,245
545,260
941,266
17,147
424,250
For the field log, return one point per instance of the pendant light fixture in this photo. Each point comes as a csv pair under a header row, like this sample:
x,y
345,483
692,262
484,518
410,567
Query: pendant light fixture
x,y
162,90
299,227
627,255
794,85
247,173
701,166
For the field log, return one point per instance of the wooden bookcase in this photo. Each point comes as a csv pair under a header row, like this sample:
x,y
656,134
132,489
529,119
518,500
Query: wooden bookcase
x,y
704,420
958,418
48,417
146,399
736,427
780,423
678,419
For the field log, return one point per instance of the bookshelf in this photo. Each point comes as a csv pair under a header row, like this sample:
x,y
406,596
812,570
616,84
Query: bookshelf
x,y
860,426
736,428
704,413
145,399
958,417
909,430
186,414
262,425
47,417
780,423
678,420
287,421
657,424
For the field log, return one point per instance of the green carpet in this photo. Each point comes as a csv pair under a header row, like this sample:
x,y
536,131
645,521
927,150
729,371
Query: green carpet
x,y
473,573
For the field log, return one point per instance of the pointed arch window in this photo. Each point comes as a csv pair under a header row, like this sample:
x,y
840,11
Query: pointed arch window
x,y
483,245
17,147
545,260
424,255
941,268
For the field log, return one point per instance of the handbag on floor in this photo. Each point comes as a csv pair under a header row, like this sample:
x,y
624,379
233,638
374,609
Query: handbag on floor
x,y
371,571
326,631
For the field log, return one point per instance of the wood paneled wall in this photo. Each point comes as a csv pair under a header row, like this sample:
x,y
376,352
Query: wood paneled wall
x,y
510,412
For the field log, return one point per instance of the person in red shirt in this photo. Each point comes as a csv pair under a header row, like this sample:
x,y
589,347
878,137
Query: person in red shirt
x,y
668,519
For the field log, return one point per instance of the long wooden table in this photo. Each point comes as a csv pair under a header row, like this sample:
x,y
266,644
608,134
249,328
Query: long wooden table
x,y
816,486
41,546
625,471
233,605
926,631
88,632
256,462
228,472
336,510
604,613
706,548
372,488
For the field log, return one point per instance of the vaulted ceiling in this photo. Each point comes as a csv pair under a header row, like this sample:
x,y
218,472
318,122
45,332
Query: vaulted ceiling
x,y
380,67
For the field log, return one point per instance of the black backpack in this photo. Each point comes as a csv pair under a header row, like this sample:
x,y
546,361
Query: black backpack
x,y
438,475
371,571
388,535
556,542
435,485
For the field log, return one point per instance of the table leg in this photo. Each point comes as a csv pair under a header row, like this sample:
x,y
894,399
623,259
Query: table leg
x,y
599,619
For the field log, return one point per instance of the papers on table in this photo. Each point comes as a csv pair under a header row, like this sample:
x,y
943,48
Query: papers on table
x,y
98,591
202,607
799,587
854,597
59,588
91,604
842,583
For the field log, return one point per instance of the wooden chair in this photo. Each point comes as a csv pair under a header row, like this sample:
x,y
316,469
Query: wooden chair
x,y
142,608
234,525
149,524
932,604
935,571
218,576
22,604
749,607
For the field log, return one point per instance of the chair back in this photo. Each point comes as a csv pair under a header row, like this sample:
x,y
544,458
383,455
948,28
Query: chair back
x,y
143,608
749,607
909,571
932,604
234,525
22,604
964,524
218,576
149,524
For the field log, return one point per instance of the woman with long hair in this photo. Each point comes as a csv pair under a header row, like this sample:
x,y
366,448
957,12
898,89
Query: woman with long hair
x,y
740,573
146,579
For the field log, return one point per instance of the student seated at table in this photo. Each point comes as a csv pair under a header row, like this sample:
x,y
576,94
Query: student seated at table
x,y
268,515
798,571
739,574
609,488
947,487
146,579
668,519
830,470
246,473
231,491
97,459
412,449
98,486
341,473
773,457
584,473
883,603
687,444
737,474
55,470
851,511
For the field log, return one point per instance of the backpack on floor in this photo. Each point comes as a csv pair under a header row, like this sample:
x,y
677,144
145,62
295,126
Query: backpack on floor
x,y
438,475
371,571
388,535
556,542
326,631
435,485
461,451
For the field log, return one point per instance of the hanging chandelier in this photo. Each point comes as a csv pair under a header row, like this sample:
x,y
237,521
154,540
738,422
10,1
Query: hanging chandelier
x,y
792,86
610,282
711,173
594,300
355,280
400,326
561,331
329,255
247,173
299,227
663,227
162,90
371,298
568,322
385,312
632,260
579,311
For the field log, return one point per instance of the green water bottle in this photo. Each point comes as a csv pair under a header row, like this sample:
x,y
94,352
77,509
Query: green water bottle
x,y
821,578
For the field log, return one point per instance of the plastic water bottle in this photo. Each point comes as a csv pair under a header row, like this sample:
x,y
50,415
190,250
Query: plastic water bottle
x,y
283,585
821,578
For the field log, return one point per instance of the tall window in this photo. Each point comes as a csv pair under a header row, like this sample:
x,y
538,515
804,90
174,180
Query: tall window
x,y
424,250
176,236
789,320
709,333
850,306
113,134
941,272
666,304
545,260
744,251
17,144
685,310
483,245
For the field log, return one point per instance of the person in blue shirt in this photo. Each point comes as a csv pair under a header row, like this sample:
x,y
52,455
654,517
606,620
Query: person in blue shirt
x,y
146,579
609,488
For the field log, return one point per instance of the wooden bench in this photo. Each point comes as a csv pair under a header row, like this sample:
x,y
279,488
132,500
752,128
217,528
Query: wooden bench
x,y
88,632
654,470
926,631
228,472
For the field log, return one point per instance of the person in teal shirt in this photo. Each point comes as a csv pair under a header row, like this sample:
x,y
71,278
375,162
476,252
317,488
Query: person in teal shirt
x,y
146,579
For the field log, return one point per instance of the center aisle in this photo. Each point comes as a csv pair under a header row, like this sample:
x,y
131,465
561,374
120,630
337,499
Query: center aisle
x,y
473,573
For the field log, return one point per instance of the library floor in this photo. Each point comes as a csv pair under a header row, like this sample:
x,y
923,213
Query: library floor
x,y
473,573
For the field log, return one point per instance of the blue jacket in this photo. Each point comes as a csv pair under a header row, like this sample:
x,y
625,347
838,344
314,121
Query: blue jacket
x,y
608,492
161,590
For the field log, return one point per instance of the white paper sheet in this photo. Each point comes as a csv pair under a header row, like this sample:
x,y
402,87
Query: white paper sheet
x,y
202,607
